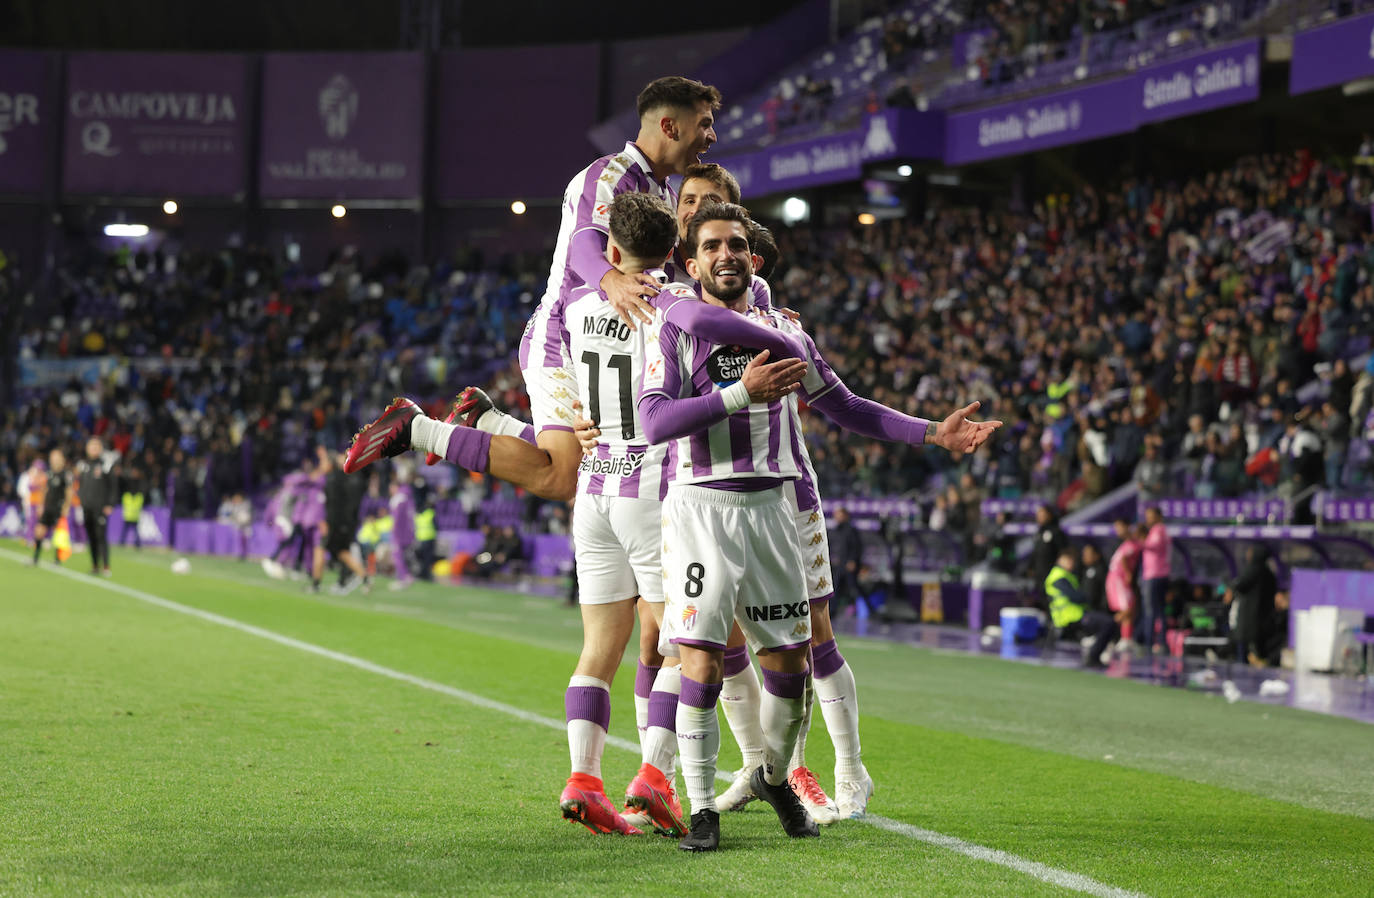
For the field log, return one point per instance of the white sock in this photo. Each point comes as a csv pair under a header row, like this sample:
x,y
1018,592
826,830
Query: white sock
x,y
739,699
642,721
659,745
698,744
429,435
498,423
586,740
840,708
780,719
799,751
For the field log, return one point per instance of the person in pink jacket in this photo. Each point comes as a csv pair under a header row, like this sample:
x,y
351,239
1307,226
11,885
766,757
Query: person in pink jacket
x,y
1154,572
1121,577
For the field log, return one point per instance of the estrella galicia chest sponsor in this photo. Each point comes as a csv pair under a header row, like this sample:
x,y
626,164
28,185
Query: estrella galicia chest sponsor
x,y
726,365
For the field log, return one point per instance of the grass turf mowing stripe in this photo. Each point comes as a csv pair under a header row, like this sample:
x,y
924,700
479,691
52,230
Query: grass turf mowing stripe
x,y
1043,872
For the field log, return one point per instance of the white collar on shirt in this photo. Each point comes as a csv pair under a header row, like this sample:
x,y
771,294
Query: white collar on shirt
x,y
635,153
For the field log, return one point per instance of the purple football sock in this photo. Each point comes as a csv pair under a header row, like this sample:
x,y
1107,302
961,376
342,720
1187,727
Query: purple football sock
x,y
469,448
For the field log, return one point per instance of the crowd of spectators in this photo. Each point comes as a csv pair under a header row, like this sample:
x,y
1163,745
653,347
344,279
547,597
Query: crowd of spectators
x,y
1015,37
956,52
1193,337
215,373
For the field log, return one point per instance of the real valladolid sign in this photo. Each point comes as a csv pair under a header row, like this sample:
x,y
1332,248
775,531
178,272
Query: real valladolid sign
x,y
342,124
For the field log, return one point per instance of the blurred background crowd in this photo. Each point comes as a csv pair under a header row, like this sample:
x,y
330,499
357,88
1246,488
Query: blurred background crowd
x,y
1193,337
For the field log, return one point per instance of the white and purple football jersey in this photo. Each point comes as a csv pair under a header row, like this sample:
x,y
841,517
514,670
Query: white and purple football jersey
x,y
608,356
586,205
759,441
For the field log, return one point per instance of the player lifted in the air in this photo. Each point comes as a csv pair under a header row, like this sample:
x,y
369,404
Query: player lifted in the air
x,y
730,537
676,125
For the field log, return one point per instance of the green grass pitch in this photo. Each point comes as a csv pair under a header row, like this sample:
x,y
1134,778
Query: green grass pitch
x,y
147,752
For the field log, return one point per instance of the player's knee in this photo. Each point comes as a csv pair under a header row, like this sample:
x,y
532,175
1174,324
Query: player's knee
x,y
649,654
821,630
790,661
597,661
703,666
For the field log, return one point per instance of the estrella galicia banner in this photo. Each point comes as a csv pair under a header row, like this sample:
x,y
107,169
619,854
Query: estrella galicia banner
x,y
893,133
1197,83
341,126
155,124
26,121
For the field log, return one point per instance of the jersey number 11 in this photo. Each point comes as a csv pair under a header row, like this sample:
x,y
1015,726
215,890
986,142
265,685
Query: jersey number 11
x,y
621,363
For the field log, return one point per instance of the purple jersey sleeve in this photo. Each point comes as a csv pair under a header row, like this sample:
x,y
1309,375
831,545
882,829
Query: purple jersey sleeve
x,y
762,293
714,324
664,415
587,255
827,394
667,419
868,418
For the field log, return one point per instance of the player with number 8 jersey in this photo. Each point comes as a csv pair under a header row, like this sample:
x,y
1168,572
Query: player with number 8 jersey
x,y
731,546
616,529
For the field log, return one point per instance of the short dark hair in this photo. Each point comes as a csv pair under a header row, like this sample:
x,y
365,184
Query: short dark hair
x,y
718,175
675,92
766,248
643,225
714,212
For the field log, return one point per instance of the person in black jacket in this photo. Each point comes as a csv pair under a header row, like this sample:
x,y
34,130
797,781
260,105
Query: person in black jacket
x,y
57,499
846,555
1253,591
1093,580
96,488
1050,543
343,499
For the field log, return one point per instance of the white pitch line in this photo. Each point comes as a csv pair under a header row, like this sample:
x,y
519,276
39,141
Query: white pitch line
x,y
1043,872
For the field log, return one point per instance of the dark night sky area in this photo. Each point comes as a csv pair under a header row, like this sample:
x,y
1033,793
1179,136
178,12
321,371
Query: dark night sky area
x,y
206,25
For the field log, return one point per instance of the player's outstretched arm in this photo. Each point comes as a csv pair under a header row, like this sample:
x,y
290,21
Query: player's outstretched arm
x,y
665,418
873,419
726,327
958,434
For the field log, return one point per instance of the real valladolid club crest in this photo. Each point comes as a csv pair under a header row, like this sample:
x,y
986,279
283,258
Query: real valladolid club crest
x,y
338,106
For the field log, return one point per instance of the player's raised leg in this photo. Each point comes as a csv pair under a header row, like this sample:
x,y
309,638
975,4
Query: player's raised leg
x,y
548,469
473,408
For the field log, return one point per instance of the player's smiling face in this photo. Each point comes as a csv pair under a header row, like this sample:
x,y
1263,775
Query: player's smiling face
x,y
695,193
723,263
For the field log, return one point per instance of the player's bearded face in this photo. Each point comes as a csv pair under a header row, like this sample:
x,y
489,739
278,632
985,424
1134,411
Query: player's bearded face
x,y
723,261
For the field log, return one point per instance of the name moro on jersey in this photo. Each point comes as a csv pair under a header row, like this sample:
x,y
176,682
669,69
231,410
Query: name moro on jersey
x,y
726,365
610,327
624,465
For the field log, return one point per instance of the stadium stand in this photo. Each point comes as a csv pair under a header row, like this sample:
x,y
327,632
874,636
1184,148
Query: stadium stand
x,y
948,54
1264,268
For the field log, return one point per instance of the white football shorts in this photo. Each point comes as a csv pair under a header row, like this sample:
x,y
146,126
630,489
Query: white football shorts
x,y
616,543
731,556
